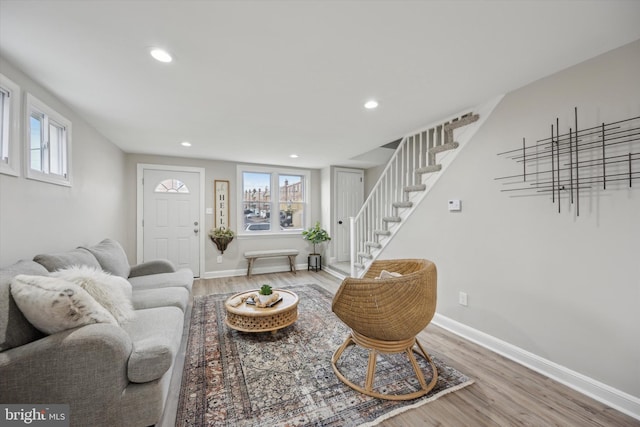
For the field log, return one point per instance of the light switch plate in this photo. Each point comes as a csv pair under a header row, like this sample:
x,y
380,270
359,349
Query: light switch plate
x,y
455,205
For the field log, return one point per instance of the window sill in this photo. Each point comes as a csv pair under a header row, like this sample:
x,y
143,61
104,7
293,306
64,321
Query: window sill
x,y
6,169
49,179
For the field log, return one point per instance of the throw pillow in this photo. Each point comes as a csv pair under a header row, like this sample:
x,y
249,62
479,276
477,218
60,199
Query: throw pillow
x,y
54,305
15,329
57,261
384,274
111,292
112,257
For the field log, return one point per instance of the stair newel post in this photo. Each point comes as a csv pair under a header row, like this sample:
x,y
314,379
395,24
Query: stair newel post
x,y
352,245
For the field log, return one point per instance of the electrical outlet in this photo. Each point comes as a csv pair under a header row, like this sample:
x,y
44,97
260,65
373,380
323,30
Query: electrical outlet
x,y
219,259
462,298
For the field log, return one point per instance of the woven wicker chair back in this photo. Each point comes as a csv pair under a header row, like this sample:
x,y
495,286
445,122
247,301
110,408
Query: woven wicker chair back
x,y
391,309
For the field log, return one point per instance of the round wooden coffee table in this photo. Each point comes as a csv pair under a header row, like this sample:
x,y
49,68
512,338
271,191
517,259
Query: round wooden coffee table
x,y
250,318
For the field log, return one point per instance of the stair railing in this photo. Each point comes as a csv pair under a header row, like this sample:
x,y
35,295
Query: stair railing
x,y
402,185
368,227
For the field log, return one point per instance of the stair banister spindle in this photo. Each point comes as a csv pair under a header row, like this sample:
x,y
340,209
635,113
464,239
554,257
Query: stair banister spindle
x,y
399,187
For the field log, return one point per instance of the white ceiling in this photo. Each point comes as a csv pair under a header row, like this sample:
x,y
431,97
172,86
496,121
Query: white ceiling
x,y
256,81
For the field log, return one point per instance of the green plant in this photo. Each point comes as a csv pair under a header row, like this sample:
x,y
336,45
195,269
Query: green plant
x,y
222,232
221,236
265,290
316,235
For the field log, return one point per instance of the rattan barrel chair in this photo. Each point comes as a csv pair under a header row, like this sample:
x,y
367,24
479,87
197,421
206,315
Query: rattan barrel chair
x,y
385,315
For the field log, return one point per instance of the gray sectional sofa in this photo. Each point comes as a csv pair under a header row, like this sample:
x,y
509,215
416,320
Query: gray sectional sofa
x,y
109,374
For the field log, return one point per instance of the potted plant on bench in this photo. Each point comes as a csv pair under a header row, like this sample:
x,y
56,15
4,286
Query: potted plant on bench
x,y
316,235
221,236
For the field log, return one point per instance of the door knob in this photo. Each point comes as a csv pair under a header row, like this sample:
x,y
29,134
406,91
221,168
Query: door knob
x,y
195,222
195,230
340,222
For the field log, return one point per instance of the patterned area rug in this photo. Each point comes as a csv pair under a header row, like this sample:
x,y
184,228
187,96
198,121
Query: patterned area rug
x,y
234,378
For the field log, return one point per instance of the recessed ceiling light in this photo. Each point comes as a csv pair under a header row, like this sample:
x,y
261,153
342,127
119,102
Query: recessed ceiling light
x,y
185,144
161,55
370,105
293,156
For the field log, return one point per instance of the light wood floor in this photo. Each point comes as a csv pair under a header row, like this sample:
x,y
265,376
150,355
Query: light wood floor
x,y
504,393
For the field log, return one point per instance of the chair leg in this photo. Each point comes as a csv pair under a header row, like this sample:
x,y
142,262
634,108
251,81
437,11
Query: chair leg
x,y
371,370
434,377
408,347
340,350
416,368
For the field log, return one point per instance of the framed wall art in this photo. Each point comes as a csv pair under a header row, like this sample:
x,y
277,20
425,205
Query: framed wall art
x,y
221,199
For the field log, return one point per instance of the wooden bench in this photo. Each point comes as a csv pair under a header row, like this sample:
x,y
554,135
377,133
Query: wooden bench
x,y
251,256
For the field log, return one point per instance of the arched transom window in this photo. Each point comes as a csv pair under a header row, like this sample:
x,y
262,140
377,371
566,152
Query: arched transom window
x,y
171,186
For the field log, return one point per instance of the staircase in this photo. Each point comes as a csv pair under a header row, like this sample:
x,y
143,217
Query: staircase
x,y
412,170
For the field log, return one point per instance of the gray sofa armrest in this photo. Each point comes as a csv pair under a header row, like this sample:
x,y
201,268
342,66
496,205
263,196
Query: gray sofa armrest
x,y
84,367
152,267
180,278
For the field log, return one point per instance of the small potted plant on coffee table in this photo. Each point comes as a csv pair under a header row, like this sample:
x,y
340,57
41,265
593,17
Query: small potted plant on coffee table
x,y
264,294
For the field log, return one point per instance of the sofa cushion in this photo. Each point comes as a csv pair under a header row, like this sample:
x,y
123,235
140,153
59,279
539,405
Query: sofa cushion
x,y
155,266
156,334
162,297
53,305
149,360
111,292
15,329
182,277
112,257
58,261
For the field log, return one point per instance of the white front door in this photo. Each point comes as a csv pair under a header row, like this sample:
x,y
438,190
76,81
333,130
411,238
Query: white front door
x,y
349,200
171,217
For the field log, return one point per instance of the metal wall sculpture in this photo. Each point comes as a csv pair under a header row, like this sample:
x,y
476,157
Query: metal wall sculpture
x,y
573,164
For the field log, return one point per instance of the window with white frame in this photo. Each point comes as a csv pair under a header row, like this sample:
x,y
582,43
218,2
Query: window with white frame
x,y
9,126
48,143
272,200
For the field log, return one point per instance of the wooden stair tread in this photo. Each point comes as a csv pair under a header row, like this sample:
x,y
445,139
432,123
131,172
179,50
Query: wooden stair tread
x,y
402,204
419,187
444,147
429,169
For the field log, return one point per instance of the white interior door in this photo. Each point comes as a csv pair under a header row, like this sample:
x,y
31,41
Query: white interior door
x,y
349,200
171,217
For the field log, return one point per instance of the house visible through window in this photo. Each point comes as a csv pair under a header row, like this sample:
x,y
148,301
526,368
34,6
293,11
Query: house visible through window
x,y
48,142
9,125
272,200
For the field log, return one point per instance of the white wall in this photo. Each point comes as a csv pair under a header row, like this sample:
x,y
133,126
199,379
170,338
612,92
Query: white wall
x,y
37,217
327,220
233,260
371,177
564,288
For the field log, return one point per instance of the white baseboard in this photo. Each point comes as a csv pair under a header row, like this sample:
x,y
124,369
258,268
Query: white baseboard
x,y
619,400
254,271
